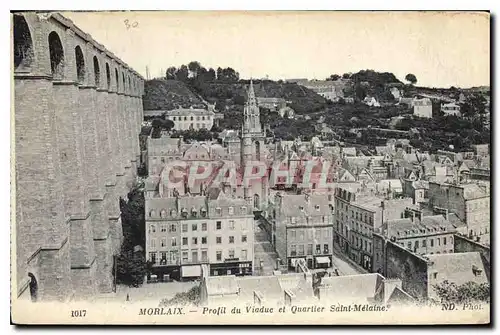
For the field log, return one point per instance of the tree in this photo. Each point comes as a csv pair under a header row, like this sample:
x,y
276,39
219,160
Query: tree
x,y
333,77
411,78
194,67
171,71
346,75
168,124
211,75
468,292
131,268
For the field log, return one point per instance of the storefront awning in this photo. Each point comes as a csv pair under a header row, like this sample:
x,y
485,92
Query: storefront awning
x,y
323,260
295,260
191,271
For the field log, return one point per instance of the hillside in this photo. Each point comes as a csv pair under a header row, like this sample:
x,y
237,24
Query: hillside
x,y
162,94
301,99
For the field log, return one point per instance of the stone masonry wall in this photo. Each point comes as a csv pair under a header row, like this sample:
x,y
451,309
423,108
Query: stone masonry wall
x,y
76,142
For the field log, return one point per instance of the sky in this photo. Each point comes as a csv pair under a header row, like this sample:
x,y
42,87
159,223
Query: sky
x,y
441,49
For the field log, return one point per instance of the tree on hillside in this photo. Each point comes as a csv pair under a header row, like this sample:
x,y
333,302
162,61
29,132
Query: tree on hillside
x,y
333,77
194,67
182,73
346,75
411,78
171,71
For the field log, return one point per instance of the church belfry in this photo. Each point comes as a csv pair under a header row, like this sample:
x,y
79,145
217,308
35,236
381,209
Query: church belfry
x,y
251,113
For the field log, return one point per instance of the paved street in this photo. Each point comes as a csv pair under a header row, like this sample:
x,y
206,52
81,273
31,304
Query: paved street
x,y
344,265
263,250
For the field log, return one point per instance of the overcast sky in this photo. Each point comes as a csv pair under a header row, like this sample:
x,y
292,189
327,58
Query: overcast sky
x,y
442,50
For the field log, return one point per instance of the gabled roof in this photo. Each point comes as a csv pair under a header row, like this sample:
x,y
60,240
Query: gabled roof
x,y
348,288
219,285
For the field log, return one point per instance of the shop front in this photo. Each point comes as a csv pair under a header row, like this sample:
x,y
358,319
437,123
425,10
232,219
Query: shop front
x,y
231,267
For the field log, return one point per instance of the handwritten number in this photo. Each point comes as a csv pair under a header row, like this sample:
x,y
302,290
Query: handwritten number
x,y
129,24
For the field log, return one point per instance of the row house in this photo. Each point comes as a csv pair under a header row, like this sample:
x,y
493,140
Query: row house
x,y
303,229
184,232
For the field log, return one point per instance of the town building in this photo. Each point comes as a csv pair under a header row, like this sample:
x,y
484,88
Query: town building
x,y
470,202
302,229
191,118
419,274
184,232
422,108
358,213
273,104
450,109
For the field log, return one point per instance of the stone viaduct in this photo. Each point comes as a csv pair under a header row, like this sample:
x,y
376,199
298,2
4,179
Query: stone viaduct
x,y
77,110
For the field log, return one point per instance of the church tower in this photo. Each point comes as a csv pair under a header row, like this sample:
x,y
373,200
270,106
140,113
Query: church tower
x,y
252,135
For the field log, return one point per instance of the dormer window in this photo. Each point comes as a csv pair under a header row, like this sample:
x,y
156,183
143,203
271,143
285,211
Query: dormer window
x,y
218,211
231,210
163,213
203,212
152,213
194,212
184,213
244,210
317,207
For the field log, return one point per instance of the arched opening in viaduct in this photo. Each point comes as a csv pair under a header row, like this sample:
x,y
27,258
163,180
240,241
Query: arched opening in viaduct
x,y
97,72
108,76
80,64
23,45
56,55
117,80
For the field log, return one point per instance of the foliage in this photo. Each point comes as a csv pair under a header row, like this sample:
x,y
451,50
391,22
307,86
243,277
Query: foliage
x,y
468,292
411,78
189,298
161,94
192,134
131,266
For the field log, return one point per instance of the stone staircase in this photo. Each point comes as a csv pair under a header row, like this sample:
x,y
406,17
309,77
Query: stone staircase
x,y
263,251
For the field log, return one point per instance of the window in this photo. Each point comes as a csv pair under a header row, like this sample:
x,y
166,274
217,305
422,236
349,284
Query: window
x,y
293,219
371,219
301,235
310,249
184,227
204,226
243,238
194,256
163,242
153,228
409,245
218,211
231,239
301,250
194,227
218,240
152,243
184,241
424,243
204,240
366,245
318,248
293,234
369,247
163,228
432,242
152,257
218,225
173,228
185,256
243,254
439,241
293,250
318,234
231,210
204,256
218,255
231,253
195,240
243,210
326,249
174,242
231,224
416,244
